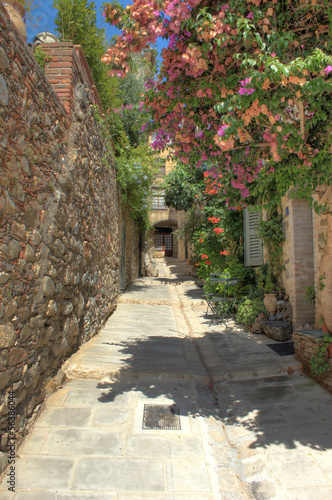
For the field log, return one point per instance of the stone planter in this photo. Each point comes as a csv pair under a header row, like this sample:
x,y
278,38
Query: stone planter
x,y
16,12
270,302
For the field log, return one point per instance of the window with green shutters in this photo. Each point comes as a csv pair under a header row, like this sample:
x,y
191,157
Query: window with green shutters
x,y
253,248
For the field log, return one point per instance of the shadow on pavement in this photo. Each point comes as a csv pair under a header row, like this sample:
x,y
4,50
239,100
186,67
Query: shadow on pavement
x,y
287,411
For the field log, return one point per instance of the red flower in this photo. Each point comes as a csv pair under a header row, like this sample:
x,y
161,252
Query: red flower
x,y
204,256
208,262
200,240
213,219
218,230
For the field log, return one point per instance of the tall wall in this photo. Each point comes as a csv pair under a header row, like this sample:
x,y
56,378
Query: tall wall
x,y
59,224
322,230
298,258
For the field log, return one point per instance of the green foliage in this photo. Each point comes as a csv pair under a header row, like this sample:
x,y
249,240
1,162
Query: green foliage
x,y
182,187
136,174
122,120
41,57
270,231
76,22
319,362
249,309
310,294
266,279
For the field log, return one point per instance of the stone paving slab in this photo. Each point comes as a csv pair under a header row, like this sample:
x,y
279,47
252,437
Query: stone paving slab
x,y
245,433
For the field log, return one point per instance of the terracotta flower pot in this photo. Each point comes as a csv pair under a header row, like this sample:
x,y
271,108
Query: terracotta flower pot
x,y
16,13
270,302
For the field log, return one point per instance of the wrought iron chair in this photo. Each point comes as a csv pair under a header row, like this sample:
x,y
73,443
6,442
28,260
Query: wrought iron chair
x,y
223,305
215,280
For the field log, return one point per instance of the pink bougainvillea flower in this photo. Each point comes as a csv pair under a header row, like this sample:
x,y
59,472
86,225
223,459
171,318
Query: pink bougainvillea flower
x,y
273,54
222,130
244,91
250,15
328,69
245,81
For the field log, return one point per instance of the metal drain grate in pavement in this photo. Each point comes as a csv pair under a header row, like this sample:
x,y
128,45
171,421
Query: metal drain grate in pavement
x,y
161,417
282,349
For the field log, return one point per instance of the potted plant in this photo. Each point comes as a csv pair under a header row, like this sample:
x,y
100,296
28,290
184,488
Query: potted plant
x,y
319,362
267,283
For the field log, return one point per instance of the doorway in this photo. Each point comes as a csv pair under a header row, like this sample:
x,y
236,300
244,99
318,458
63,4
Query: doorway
x,y
164,241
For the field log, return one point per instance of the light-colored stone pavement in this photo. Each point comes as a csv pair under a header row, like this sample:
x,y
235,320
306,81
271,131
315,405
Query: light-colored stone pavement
x,y
252,426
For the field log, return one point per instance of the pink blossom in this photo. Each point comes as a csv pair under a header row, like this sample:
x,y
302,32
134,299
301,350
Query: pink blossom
x,y
222,130
245,81
273,54
328,69
250,15
243,91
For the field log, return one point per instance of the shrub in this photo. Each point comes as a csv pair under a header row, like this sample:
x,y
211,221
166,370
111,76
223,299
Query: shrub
x,y
249,309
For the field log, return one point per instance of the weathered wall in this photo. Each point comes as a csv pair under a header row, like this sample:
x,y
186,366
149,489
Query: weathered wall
x,y
132,250
322,231
305,346
298,258
59,227
307,256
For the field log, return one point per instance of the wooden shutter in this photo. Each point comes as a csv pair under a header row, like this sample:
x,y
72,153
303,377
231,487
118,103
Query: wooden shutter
x,y
253,248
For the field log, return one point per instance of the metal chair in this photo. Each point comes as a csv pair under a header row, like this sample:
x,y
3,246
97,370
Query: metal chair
x,y
215,280
223,305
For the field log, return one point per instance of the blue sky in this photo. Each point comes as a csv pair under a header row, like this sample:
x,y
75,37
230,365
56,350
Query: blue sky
x,y
48,15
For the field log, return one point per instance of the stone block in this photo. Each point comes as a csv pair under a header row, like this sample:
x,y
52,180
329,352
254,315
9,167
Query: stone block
x,y
258,326
7,335
17,355
48,286
4,277
277,330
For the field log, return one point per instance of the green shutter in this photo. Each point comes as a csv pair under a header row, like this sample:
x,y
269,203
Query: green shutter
x,y
253,249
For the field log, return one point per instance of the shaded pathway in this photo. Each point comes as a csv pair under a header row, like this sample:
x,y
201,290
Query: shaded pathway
x,y
251,425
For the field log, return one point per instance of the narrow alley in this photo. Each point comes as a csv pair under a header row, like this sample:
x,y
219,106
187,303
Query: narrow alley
x,y
244,422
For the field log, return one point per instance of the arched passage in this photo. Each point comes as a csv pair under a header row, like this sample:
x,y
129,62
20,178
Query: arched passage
x,y
162,238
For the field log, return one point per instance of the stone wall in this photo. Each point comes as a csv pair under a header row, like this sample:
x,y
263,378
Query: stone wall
x,y
59,226
132,250
305,346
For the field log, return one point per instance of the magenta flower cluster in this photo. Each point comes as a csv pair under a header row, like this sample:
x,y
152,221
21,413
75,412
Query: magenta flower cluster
x,y
244,90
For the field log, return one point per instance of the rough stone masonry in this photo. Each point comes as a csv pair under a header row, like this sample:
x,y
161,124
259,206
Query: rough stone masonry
x,y
59,228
